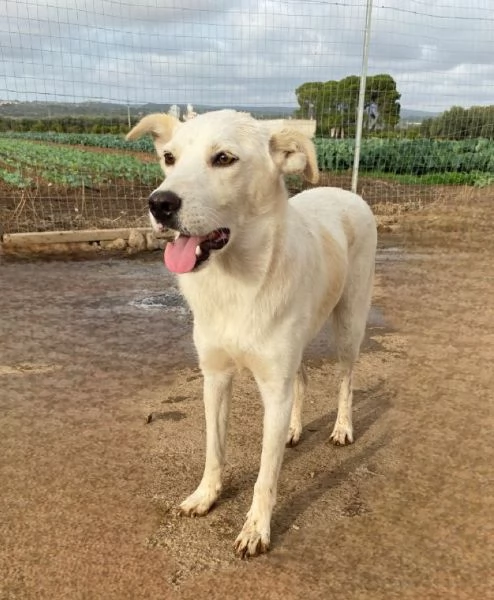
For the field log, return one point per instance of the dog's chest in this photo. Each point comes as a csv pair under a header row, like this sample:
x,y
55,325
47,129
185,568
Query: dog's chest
x,y
232,318
230,326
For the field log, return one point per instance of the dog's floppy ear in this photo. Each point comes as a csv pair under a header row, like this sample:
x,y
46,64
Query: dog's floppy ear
x,y
160,126
292,149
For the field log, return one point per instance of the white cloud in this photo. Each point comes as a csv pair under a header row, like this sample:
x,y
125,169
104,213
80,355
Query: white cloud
x,y
225,52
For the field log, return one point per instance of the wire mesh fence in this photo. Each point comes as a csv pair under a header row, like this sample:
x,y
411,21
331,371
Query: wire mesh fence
x,y
75,75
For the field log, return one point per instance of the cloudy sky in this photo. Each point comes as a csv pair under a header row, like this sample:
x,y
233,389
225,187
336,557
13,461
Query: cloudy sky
x,y
226,52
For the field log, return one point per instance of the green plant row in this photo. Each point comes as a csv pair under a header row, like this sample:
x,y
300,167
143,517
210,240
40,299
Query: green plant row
x,y
408,157
104,140
23,161
398,156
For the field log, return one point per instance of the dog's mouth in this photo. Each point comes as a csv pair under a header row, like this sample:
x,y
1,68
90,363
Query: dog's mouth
x,y
187,252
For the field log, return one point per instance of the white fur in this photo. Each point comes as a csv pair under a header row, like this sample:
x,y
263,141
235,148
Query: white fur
x,y
289,266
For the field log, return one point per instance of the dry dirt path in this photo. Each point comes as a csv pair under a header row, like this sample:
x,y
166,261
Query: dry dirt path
x,y
88,489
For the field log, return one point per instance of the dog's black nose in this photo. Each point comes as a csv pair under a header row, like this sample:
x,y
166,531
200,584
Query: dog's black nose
x,y
164,206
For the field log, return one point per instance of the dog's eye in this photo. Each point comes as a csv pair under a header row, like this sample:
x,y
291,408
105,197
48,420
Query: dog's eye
x,y
168,158
223,159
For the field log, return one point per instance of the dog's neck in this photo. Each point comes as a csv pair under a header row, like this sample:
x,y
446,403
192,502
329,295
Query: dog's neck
x,y
259,247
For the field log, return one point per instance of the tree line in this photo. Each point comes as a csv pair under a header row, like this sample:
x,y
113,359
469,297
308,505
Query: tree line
x,y
114,125
460,123
333,104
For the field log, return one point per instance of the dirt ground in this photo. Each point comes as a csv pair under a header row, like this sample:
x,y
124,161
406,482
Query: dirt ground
x,y
89,489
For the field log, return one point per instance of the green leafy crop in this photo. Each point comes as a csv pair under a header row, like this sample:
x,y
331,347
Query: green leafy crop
x,y
70,167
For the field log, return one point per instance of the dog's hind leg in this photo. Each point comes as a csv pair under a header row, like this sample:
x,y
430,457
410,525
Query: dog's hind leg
x,y
217,401
349,322
295,429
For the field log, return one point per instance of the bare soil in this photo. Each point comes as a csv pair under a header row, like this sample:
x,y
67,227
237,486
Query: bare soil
x,y
48,207
88,488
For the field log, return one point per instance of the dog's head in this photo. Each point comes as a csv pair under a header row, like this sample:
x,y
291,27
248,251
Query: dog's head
x,y
222,169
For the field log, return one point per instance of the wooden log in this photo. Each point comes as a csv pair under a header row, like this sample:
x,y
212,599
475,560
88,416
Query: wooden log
x,y
86,235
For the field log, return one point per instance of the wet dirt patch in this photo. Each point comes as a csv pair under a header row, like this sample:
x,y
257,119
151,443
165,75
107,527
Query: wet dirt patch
x,y
171,299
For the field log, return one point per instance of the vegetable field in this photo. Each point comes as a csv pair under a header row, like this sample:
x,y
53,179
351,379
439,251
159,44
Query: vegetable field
x,y
52,181
23,163
469,162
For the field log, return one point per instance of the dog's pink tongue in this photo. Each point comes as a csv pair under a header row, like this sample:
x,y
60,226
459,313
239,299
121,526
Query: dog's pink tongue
x,y
180,255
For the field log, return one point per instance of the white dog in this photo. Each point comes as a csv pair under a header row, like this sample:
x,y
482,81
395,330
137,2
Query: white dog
x,y
262,274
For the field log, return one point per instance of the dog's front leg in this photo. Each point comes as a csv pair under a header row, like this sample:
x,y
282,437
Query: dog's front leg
x,y
217,401
277,397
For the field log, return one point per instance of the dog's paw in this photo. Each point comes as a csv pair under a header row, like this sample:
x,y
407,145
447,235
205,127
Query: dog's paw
x,y
293,437
199,503
342,434
252,541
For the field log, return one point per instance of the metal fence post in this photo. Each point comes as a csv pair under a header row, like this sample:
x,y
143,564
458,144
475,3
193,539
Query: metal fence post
x,y
361,97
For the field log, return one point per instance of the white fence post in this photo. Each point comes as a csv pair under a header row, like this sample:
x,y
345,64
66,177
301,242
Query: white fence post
x,y
361,98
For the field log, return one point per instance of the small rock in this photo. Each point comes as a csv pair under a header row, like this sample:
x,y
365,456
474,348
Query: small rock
x,y
81,247
117,244
152,243
137,242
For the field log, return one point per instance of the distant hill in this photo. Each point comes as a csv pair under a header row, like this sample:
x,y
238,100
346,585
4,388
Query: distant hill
x,y
412,115
42,110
